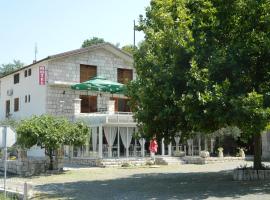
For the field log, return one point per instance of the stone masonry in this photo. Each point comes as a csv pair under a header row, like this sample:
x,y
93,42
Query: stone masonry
x,y
67,70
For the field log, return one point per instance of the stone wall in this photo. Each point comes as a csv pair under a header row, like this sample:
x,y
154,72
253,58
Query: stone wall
x,y
83,161
208,160
67,71
26,167
31,166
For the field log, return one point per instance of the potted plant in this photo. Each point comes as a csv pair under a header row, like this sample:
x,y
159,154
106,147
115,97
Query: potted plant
x,y
241,152
220,152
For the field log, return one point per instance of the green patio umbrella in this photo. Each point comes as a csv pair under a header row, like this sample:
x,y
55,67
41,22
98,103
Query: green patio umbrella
x,y
101,84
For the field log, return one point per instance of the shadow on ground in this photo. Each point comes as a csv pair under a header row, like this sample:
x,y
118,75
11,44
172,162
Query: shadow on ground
x,y
157,186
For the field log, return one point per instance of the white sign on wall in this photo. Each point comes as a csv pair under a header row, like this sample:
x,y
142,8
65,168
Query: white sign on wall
x,y
7,135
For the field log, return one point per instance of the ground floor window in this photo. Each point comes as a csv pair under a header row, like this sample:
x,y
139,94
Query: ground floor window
x,y
88,104
121,105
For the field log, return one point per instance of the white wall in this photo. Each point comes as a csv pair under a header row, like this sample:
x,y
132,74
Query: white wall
x,y
27,86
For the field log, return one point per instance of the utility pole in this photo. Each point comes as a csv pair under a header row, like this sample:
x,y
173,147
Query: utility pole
x,y
134,36
36,51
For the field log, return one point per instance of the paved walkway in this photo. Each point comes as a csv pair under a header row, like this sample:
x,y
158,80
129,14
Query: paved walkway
x,y
212,181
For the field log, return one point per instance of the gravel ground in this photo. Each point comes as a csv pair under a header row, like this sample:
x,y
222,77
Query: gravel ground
x,y
211,181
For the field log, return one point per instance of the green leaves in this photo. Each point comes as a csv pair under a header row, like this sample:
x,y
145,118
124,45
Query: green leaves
x,y
50,132
92,41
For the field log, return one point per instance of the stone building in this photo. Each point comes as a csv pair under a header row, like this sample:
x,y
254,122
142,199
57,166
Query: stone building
x,y
44,86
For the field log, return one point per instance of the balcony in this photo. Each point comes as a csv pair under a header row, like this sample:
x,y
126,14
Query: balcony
x,y
120,119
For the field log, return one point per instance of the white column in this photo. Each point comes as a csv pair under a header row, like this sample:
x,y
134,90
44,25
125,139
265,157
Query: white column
x,y
142,147
192,145
71,150
170,149
199,141
127,152
205,144
162,147
77,106
87,146
118,143
100,141
135,148
110,147
212,145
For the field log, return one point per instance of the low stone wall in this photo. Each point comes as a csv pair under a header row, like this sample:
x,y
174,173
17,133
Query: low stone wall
x,y
25,167
208,160
250,174
107,162
91,162
30,166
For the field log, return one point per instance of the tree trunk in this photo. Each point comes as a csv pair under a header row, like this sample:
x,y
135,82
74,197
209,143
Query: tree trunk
x,y
257,163
51,159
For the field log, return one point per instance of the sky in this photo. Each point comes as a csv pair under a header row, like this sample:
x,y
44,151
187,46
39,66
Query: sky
x,y
57,26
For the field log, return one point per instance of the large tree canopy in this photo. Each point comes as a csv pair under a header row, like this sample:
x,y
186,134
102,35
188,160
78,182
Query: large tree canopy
x,y
204,65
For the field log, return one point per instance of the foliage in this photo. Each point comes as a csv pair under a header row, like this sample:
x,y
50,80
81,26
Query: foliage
x,y
92,41
10,67
204,65
129,49
50,133
9,122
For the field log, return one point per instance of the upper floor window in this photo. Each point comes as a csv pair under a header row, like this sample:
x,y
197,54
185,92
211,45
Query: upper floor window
x,y
29,72
16,104
16,78
87,72
124,75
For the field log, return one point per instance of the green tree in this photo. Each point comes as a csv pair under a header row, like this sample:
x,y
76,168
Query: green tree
x,y
50,133
10,67
92,41
204,65
162,62
129,49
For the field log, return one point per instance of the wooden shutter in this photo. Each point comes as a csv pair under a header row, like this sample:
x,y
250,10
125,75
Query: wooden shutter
x,y
124,75
87,72
7,108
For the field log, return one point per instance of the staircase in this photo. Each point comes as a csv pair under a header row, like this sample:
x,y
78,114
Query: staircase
x,y
122,161
169,160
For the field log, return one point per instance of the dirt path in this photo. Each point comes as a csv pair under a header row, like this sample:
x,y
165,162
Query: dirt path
x,y
212,181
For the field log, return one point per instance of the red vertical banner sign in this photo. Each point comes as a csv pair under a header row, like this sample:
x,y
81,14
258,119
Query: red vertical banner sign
x,y
42,75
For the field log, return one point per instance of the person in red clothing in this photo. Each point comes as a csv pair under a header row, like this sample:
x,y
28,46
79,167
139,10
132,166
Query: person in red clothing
x,y
153,147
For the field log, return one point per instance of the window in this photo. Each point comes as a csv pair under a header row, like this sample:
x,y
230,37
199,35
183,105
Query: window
x,y
29,98
25,73
7,108
16,78
88,104
25,98
121,105
16,104
87,72
124,75
29,72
